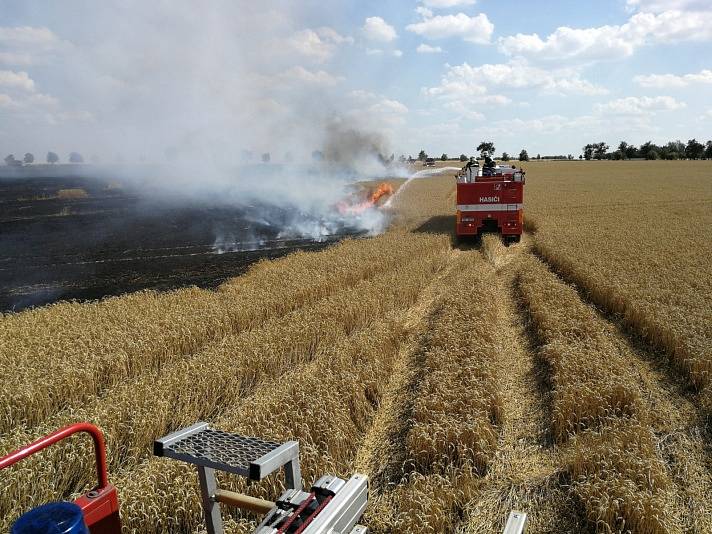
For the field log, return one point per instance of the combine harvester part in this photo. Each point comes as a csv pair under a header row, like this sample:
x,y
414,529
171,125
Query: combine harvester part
x,y
516,523
490,198
100,506
332,504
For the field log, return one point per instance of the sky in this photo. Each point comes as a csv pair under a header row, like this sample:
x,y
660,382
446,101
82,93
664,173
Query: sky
x,y
132,79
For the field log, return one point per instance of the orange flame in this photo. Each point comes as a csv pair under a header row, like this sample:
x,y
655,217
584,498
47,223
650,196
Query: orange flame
x,y
372,198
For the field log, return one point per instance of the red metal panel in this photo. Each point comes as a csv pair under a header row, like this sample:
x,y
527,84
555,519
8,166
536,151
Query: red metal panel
x,y
494,198
101,505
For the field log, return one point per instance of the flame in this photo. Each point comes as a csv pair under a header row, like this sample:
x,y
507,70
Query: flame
x,y
383,189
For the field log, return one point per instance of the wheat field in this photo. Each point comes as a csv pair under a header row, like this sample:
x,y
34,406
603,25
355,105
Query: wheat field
x,y
567,376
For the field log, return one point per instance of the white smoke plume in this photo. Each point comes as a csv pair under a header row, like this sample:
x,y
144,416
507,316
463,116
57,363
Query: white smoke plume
x,y
203,90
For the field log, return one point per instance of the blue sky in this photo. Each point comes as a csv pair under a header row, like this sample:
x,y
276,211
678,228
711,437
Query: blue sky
x,y
132,77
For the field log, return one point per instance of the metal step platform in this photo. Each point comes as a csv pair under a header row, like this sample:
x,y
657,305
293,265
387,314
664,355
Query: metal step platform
x,y
249,457
332,505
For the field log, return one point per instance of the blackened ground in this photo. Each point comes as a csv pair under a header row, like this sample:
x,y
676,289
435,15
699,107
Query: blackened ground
x,y
117,240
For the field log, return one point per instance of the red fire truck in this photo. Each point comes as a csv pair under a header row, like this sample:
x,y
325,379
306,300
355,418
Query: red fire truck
x,y
490,198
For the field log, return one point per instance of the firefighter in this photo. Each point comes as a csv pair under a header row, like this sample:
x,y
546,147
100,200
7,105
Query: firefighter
x,y
488,168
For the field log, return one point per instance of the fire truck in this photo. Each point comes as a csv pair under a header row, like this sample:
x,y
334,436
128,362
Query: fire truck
x,y
490,199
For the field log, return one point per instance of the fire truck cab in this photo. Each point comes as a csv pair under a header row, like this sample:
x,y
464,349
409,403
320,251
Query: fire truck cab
x,y
490,199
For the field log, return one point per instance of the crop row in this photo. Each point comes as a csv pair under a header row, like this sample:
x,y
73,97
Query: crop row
x,y
610,449
133,414
452,428
62,355
327,405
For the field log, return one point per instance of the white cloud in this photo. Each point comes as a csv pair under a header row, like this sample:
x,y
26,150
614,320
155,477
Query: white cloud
x,y
319,77
378,108
320,44
6,101
517,74
427,49
16,58
27,35
374,51
397,53
424,12
611,42
477,29
16,80
659,6
661,81
644,105
448,3
377,29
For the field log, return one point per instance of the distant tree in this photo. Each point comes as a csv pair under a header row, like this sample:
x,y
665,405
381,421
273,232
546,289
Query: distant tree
x,y
52,158
422,155
505,156
246,155
443,157
485,148
401,159
673,150
631,152
708,150
10,159
588,152
266,157
645,149
463,157
523,156
410,159
623,150
580,156
694,149
538,156
317,155
652,154
29,158
599,150
75,157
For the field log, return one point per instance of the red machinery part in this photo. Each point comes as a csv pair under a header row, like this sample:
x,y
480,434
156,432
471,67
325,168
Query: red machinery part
x,y
494,202
100,506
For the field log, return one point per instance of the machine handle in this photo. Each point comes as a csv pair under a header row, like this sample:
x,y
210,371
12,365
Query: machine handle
x,y
59,435
244,502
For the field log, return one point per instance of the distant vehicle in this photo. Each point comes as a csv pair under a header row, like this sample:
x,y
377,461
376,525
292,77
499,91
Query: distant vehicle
x,y
490,198
429,162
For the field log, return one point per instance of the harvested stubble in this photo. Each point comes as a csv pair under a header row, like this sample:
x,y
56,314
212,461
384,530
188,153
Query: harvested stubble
x,y
61,355
613,464
133,414
327,405
452,432
590,378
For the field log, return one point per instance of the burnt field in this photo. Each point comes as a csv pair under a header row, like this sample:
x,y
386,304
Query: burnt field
x,y
84,238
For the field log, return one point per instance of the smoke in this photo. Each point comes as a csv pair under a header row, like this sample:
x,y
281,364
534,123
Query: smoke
x,y
204,93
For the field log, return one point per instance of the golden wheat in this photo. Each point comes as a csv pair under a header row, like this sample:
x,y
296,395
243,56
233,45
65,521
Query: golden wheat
x,y
186,390
614,467
61,355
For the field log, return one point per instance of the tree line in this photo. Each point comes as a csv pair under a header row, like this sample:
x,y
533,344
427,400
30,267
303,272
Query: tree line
x,y
672,150
52,158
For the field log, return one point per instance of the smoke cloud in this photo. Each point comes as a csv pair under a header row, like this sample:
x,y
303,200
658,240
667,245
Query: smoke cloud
x,y
203,91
